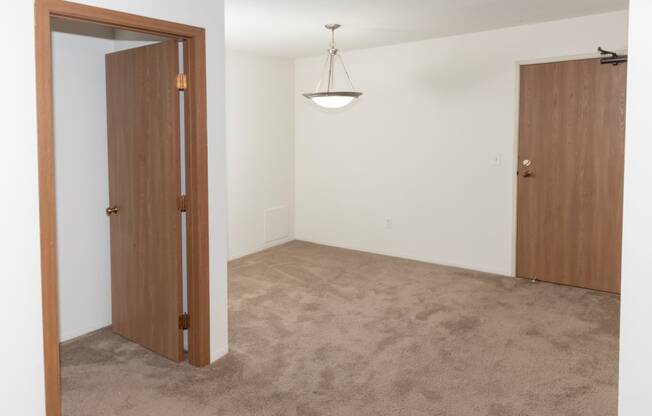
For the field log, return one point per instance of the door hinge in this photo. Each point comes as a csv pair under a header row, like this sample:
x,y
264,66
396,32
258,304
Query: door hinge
x,y
184,321
182,82
183,203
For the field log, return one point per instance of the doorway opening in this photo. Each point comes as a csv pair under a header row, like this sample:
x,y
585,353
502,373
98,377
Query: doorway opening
x,y
110,267
153,164
570,174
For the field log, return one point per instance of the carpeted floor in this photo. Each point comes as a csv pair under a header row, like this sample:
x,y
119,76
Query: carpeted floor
x,y
316,330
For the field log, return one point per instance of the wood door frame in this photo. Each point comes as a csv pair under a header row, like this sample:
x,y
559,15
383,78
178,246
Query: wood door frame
x,y
196,176
517,135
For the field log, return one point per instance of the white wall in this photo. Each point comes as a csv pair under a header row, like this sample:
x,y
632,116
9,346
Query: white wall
x,y
636,298
81,178
260,149
419,146
21,383
21,372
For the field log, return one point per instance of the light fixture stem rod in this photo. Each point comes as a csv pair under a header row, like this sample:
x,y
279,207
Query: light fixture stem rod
x,y
331,52
330,73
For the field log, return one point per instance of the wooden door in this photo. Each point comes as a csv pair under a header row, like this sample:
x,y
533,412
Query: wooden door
x,y
144,186
570,197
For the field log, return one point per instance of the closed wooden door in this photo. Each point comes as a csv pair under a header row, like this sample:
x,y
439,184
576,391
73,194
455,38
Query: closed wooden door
x,y
570,183
144,186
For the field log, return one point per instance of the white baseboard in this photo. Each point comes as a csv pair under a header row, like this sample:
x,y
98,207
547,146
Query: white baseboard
x,y
260,248
219,354
415,258
78,332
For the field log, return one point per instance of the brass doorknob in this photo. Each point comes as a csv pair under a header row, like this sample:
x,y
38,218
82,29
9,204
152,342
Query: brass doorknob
x,y
527,163
111,210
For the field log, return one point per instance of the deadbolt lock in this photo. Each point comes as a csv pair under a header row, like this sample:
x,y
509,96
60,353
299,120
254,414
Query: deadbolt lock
x,y
527,163
111,210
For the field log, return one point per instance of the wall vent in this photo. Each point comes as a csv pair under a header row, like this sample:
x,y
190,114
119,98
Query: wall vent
x,y
277,224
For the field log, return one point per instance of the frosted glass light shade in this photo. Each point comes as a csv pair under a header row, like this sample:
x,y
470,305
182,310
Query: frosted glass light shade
x,y
333,100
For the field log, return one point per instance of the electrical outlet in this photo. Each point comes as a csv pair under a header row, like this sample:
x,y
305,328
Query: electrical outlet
x,y
388,223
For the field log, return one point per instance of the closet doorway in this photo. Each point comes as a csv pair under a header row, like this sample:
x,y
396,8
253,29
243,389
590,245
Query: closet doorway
x,y
146,163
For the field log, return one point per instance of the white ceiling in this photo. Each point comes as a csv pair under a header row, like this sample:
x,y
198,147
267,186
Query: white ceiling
x,y
294,28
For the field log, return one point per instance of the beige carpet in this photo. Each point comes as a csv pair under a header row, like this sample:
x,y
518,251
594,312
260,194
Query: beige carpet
x,y
316,330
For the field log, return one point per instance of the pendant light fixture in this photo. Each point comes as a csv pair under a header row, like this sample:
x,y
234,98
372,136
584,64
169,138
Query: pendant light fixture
x,y
328,94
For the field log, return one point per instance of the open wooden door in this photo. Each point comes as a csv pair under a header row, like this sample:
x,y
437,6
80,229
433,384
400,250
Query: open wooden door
x,y
144,186
570,185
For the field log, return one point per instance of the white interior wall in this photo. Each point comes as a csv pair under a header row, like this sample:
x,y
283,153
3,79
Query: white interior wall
x,y
22,383
423,165
636,298
260,148
125,39
81,179
21,373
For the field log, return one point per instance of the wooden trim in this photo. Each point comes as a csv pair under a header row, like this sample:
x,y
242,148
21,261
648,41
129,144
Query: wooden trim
x,y
47,211
197,201
196,174
75,11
